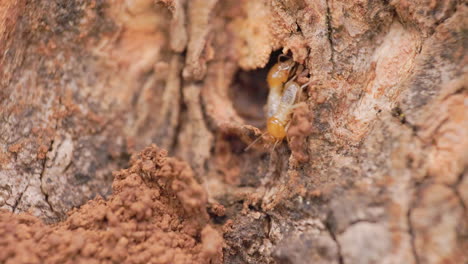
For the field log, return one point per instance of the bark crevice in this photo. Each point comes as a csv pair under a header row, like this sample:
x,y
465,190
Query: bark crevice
x,y
331,232
412,236
330,36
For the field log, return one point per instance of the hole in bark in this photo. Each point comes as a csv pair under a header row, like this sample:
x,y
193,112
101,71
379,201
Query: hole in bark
x,y
249,93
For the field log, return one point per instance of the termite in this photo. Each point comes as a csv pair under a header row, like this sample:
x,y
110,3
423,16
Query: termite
x,y
281,105
277,76
277,124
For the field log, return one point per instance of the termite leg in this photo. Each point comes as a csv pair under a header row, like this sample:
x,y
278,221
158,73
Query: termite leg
x,y
306,84
301,89
294,106
293,78
274,146
255,141
299,69
286,128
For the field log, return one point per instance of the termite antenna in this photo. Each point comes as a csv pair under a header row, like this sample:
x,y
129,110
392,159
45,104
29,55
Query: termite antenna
x,y
255,141
302,88
298,69
276,143
292,79
286,128
306,84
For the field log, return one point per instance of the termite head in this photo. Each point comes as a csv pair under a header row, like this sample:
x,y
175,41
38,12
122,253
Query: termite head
x,y
280,73
276,128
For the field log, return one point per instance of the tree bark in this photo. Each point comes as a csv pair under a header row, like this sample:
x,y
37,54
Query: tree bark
x,y
374,168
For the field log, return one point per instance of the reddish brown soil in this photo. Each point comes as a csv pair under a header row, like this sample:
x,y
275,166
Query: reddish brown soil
x,y
156,214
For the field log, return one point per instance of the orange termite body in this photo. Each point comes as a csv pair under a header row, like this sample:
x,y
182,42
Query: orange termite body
x,y
276,124
281,99
276,128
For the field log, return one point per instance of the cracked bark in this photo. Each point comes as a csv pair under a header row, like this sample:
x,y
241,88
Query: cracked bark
x,y
46,196
332,234
411,233
330,35
382,142
19,199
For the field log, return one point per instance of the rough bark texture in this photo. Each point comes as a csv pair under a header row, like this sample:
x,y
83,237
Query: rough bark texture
x,y
374,169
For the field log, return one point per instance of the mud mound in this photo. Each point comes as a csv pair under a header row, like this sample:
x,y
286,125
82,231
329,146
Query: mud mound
x,y
156,214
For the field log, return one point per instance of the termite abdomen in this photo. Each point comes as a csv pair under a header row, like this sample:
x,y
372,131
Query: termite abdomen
x,y
276,124
276,78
